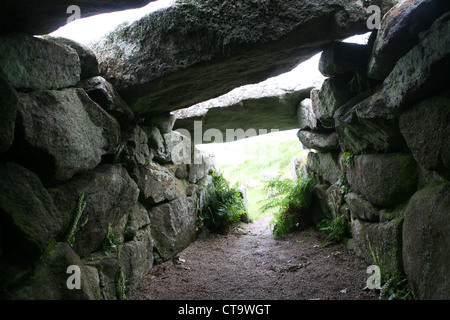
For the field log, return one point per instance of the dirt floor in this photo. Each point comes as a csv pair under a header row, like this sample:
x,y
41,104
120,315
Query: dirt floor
x,y
249,264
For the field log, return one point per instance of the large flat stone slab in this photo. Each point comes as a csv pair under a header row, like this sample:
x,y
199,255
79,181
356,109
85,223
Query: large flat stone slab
x,y
192,52
45,16
250,108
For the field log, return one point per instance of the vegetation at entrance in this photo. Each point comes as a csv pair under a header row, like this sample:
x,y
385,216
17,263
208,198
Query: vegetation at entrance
x,y
395,285
336,229
253,157
292,200
224,205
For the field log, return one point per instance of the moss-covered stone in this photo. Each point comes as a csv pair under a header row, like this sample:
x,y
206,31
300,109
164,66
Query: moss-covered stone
x,y
173,227
50,276
361,209
379,243
8,110
33,63
399,32
325,165
110,194
427,133
109,272
29,221
423,71
383,179
426,239
62,133
368,126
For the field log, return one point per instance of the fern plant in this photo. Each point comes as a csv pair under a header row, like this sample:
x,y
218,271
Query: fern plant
x,y
224,205
81,205
292,199
396,286
110,241
336,229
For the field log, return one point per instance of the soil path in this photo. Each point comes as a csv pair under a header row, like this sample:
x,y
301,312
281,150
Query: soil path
x,y
249,263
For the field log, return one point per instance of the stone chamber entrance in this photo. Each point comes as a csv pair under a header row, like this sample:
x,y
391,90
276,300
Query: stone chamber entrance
x,y
103,177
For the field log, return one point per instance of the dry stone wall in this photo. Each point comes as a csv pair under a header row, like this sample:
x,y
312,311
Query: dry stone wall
x,y
85,183
82,184
389,109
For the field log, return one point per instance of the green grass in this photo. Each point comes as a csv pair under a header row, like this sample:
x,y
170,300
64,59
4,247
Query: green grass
x,y
257,155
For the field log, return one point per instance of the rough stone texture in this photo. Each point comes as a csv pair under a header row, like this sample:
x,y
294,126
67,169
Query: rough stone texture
x,y
426,239
361,209
110,273
427,133
155,183
102,92
45,16
297,166
49,279
32,63
326,165
199,192
173,227
343,57
8,110
368,126
392,213
319,209
423,70
258,108
319,141
110,194
138,219
164,122
317,111
135,150
179,171
399,32
328,200
137,258
156,144
306,116
172,147
29,221
177,148
202,162
335,91
188,53
88,60
385,240
427,177
383,179
63,133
